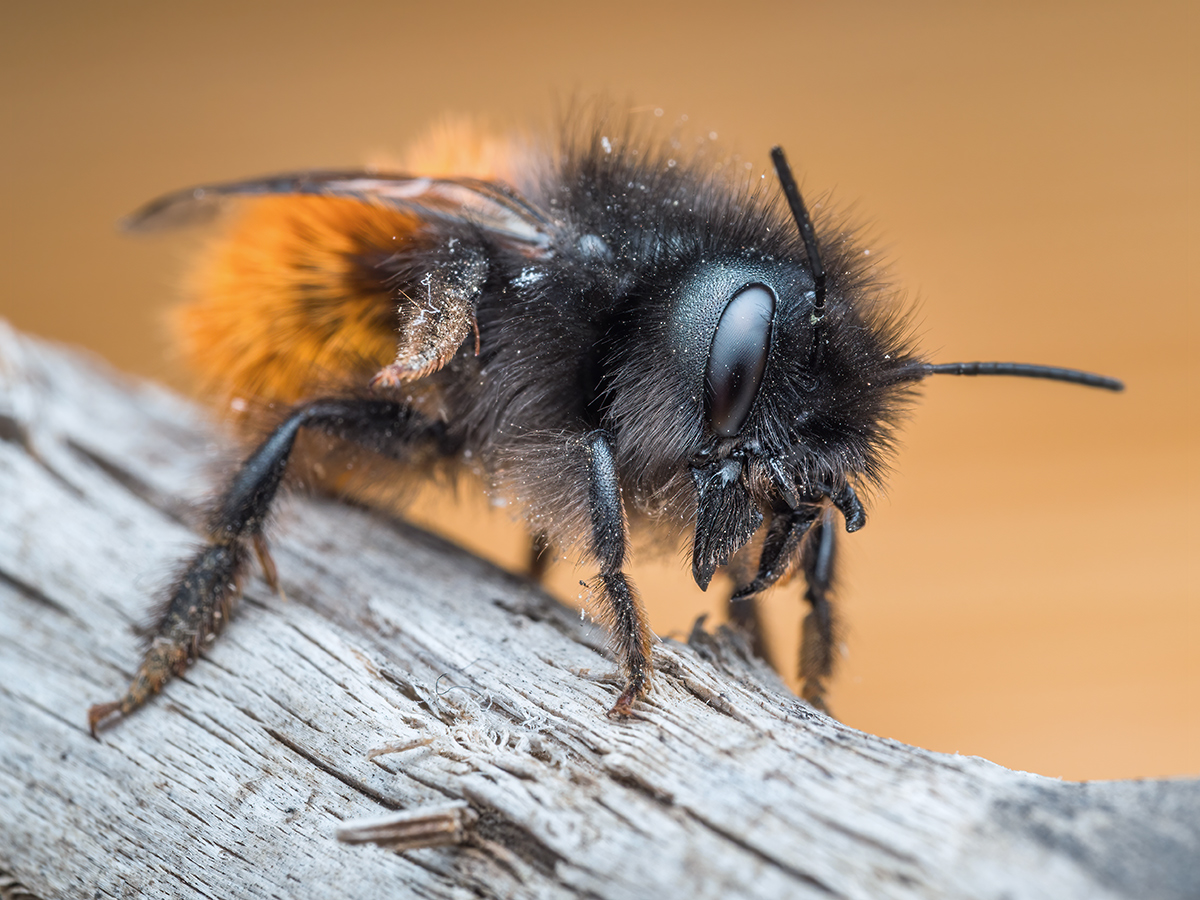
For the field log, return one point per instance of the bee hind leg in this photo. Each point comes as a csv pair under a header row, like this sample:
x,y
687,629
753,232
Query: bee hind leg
x,y
201,600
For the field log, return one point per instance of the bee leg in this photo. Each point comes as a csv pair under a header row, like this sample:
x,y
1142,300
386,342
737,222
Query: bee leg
x,y
622,612
818,557
437,316
202,599
267,564
540,555
785,531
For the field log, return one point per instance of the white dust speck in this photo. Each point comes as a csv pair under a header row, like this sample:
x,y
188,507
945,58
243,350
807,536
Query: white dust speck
x,y
528,278
606,144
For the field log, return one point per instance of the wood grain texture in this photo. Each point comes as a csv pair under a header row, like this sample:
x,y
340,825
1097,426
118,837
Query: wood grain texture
x,y
236,781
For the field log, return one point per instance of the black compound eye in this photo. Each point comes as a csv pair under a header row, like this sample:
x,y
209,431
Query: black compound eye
x,y
738,358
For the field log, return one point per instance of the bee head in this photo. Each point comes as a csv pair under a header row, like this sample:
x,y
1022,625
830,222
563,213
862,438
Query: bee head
x,y
800,388
774,387
794,400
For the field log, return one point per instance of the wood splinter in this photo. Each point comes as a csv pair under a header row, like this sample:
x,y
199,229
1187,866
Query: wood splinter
x,y
427,826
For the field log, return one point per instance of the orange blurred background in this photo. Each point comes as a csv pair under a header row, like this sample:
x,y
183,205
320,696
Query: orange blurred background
x,y
1028,589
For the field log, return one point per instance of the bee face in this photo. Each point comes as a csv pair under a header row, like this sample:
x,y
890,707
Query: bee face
x,y
740,370
629,331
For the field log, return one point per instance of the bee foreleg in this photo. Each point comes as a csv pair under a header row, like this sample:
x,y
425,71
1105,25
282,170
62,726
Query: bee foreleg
x,y
780,548
622,610
202,599
818,557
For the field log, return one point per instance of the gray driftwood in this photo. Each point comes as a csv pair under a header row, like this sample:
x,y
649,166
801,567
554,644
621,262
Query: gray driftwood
x,y
487,699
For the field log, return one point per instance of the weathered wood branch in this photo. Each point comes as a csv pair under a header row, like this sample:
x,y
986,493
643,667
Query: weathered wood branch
x,y
487,698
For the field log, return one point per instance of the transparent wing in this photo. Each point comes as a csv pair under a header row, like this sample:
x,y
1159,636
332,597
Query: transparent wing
x,y
485,204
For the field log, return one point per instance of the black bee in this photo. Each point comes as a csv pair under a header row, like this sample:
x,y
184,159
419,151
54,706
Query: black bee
x,y
604,331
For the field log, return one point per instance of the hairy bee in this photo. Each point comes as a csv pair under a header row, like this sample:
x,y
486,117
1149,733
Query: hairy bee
x,y
605,331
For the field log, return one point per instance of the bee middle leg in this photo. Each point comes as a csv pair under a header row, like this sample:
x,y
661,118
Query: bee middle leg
x,y
202,599
623,611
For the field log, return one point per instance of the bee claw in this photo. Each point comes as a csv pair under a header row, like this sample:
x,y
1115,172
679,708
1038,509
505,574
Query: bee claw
x,y
267,562
98,714
635,688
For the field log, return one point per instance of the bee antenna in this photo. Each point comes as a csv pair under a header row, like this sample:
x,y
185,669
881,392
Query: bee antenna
x,y
800,213
1021,370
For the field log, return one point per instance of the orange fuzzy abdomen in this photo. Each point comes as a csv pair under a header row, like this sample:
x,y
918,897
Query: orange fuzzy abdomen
x,y
285,306
290,303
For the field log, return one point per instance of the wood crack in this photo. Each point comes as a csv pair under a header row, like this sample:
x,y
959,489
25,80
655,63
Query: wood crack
x,y
171,507
494,825
35,595
14,431
328,768
798,874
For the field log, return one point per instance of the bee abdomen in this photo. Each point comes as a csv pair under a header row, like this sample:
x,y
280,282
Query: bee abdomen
x,y
293,300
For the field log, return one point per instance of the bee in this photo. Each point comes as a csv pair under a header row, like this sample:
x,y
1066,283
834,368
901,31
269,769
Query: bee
x,y
606,331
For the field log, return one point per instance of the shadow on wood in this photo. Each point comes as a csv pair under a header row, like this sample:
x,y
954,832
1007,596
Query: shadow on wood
x,y
405,676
